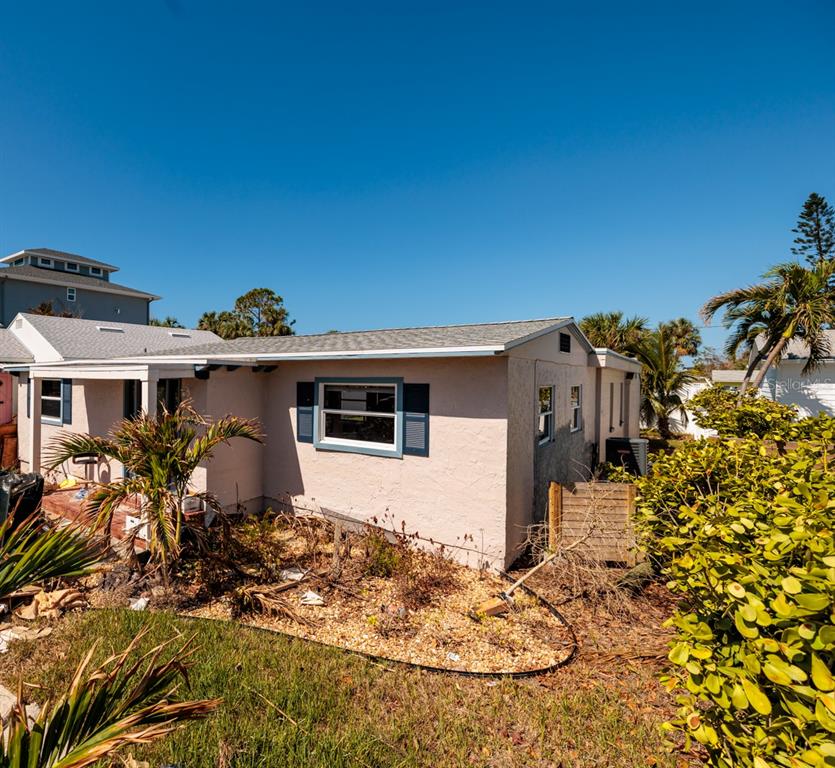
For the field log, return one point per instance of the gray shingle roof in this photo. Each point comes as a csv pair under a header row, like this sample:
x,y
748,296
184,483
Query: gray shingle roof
x,y
62,256
76,339
436,337
11,350
58,277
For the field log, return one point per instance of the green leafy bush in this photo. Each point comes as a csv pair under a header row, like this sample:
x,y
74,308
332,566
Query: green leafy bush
x,y
718,408
746,536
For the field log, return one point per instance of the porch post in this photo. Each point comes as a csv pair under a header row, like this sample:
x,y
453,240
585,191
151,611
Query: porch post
x,y
149,395
34,453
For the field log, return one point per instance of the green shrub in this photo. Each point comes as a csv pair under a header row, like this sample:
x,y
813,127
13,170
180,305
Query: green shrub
x,y
746,536
718,408
383,557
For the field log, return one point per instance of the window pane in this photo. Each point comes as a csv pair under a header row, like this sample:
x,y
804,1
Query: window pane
x,y
369,429
545,398
360,397
575,396
544,427
51,388
51,408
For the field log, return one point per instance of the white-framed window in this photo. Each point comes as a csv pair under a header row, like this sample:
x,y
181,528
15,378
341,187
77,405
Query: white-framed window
x,y
576,402
96,271
51,400
19,262
70,294
360,415
44,262
71,266
545,415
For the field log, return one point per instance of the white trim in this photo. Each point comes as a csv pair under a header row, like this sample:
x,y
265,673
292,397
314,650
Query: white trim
x,y
97,271
64,257
348,442
549,433
576,410
46,261
71,266
59,419
74,293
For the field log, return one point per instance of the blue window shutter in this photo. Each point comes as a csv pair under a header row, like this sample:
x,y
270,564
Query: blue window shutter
x,y
304,411
66,397
416,419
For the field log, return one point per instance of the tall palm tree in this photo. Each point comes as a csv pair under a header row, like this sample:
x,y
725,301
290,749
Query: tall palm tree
x,y
662,380
794,302
160,455
685,335
614,331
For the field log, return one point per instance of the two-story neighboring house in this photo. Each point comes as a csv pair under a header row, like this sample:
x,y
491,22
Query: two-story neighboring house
x,y
72,284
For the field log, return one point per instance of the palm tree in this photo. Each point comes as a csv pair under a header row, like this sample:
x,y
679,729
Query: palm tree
x,y
794,302
127,700
160,456
169,321
685,336
662,379
614,331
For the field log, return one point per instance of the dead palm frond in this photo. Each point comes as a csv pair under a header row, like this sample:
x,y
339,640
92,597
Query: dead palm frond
x,y
34,552
124,701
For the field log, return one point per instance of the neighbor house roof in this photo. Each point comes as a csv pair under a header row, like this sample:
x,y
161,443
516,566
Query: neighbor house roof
x,y
56,277
12,350
51,253
444,339
77,339
797,349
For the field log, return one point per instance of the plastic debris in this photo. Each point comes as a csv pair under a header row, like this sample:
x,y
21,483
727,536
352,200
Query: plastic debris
x,y
453,656
81,494
7,636
140,604
50,605
292,574
311,598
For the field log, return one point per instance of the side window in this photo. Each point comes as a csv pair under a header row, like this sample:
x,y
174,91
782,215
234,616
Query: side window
x,y
576,402
545,415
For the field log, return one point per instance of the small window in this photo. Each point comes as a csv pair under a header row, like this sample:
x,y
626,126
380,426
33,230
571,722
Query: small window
x,y
51,400
96,271
545,414
169,394
565,342
44,262
576,401
19,262
70,294
358,414
71,266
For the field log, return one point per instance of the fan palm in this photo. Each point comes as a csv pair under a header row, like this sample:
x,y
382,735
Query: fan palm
x,y
685,335
160,455
614,331
125,701
33,552
662,380
794,302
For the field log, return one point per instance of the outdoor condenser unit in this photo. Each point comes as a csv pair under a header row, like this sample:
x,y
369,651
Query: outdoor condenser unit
x,y
628,452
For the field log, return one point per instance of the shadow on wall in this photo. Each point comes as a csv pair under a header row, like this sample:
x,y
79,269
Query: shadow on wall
x,y
806,394
566,459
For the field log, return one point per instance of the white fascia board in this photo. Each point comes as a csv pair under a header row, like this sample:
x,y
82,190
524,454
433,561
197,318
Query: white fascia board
x,y
31,338
607,358
81,286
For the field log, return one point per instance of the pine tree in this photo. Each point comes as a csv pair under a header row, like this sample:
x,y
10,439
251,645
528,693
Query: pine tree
x,y
815,231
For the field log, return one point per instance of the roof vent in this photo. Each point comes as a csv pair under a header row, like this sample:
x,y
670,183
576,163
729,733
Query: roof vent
x,y
109,329
179,334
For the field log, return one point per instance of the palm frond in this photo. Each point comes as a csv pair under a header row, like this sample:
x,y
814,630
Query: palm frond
x,y
69,445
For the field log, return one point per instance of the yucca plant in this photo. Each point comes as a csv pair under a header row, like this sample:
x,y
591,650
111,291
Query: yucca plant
x,y
124,701
160,455
34,552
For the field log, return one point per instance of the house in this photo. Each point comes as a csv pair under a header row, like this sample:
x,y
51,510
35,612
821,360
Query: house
x,y
456,431
811,393
72,284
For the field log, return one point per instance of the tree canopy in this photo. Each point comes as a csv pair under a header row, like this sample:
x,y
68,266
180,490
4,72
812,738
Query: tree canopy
x,y
259,312
815,231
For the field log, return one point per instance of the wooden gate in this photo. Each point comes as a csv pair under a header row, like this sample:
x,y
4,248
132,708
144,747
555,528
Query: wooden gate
x,y
595,518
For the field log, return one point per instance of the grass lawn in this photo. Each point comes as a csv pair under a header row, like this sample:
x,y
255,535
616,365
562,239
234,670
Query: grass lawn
x,y
341,710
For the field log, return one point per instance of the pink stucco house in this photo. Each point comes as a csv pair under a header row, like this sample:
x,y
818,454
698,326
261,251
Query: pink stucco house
x,y
454,430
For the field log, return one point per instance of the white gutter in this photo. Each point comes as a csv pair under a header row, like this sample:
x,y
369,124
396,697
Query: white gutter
x,y
82,286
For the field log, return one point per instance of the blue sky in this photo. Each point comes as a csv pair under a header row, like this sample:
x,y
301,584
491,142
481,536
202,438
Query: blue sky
x,y
384,164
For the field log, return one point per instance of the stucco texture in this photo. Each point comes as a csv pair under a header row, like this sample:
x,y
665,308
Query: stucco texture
x,y
456,495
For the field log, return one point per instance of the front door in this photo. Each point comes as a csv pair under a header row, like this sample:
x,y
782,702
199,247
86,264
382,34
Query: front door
x,y
6,396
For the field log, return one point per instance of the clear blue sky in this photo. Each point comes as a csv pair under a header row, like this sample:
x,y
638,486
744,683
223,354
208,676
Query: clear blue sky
x,y
394,163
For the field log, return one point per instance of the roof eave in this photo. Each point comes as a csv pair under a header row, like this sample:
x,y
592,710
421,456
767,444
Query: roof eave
x,y
116,291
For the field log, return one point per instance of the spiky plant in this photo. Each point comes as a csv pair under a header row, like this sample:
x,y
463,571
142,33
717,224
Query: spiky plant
x,y
127,700
160,455
34,552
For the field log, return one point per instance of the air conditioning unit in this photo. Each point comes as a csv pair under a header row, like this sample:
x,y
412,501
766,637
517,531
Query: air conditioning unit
x,y
628,452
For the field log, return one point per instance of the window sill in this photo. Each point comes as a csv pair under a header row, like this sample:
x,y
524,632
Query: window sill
x,y
577,429
367,450
51,422
545,441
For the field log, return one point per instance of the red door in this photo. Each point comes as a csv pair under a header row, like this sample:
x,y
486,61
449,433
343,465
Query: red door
x,y
6,384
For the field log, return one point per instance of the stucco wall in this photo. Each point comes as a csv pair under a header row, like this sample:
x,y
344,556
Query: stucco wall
x,y
610,408
812,393
567,458
457,492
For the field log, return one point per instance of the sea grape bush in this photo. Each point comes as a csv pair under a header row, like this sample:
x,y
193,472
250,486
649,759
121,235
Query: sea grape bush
x,y
718,408
745,535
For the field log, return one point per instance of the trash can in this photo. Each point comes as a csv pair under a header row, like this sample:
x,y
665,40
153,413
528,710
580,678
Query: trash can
x,y
20,495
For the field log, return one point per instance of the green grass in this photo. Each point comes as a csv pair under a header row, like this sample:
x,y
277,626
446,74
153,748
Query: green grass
x,y
347,711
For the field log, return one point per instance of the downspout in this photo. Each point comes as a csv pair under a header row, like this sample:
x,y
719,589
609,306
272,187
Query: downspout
x,y
598,402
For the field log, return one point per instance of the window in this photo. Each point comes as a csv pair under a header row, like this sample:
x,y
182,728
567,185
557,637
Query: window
x,y
169,394
70,294
576,402
96,271
19,262
565,342
51,400
71,266
361,414
45,262
621,406
545,424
